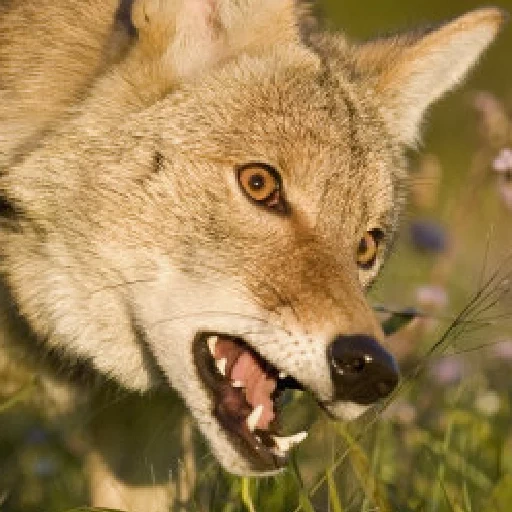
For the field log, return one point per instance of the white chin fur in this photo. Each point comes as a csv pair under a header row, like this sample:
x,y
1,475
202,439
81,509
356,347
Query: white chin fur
x,y
175,308
347,410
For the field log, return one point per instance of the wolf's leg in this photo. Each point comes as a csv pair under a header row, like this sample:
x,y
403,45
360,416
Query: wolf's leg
x,y
136,449
108,491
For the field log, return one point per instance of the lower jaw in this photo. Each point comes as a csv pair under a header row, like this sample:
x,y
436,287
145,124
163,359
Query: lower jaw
x,y
252,449
255,448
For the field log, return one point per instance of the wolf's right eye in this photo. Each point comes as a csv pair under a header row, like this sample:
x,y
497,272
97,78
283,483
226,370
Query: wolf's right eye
x,y
262,184
368,248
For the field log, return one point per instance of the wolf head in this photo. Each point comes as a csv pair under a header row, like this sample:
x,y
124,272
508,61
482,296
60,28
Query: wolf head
x,y
220,239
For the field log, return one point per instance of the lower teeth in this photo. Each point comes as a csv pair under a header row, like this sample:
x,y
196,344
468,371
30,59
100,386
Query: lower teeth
x,y
283,444
221,365
254,417
212,343
278,453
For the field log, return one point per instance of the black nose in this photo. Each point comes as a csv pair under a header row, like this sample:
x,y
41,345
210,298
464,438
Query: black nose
x,y
362,371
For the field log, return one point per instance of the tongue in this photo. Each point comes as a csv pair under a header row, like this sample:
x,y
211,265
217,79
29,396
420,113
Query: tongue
x,y
258,386
242,365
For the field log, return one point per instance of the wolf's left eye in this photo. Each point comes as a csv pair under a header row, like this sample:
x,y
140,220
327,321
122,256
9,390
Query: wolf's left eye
x,y
368,248
261,183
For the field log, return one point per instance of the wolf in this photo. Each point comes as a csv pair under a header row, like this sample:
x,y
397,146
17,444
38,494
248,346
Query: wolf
x,y
195,195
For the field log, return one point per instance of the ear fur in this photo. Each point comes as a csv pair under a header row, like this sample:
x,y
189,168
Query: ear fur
x,y
414,70
206,32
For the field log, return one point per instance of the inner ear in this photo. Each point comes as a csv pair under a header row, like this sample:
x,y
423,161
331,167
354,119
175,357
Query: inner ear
x,y
412,71
123,17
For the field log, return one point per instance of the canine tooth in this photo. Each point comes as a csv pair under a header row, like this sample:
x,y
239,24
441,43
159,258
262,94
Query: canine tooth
x,y
278,453
254,417
212,342
237,384
283,444
221,365
283,375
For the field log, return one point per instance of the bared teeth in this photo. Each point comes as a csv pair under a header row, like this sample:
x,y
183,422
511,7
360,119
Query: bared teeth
x,y
212,342
254,417
237,384
283,444
283,375
278,453
221,365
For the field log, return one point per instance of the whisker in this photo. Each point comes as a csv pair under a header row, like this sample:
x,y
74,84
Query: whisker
x,y
120,285
487,297
218,313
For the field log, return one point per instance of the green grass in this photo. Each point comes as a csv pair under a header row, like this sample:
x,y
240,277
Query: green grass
x,y
438,447
442,444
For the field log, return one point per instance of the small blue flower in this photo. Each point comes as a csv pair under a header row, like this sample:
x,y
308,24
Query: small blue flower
x,y
45,467
428,236
36,436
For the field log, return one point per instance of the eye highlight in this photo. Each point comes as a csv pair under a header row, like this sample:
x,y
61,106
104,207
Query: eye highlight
x,y
262,184
367,249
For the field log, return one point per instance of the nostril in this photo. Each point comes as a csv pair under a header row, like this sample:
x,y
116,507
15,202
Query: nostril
x,y
361,370
349,364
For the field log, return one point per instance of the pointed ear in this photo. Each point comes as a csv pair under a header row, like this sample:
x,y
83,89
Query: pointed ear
x,y
414,70
195,35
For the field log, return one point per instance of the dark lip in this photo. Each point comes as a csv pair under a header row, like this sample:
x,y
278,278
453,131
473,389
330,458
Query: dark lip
x,y
253,447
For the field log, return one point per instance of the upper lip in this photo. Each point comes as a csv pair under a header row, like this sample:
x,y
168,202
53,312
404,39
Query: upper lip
x,y
252,431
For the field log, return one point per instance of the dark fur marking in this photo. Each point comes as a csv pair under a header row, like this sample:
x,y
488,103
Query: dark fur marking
x,y
124,17
156,165
356,152
7,209
158,162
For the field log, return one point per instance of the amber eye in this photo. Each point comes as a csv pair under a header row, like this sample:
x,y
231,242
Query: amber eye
x,y
367,249
261,183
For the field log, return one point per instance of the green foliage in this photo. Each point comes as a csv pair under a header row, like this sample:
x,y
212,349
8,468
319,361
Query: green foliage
x,y
20,396
444,443
90,509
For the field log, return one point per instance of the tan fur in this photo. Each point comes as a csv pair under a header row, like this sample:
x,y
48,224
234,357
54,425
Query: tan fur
x,y
124,232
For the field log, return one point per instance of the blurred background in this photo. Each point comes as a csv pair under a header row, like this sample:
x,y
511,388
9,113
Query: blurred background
x,y
444,443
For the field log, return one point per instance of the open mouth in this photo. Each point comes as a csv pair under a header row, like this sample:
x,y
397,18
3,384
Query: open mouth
x,y
245,390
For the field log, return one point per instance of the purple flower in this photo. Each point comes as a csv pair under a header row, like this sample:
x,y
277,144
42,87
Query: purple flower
x,y
503,350
487,104
503,162
495,122
432,296
505,188
448,370
402,412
